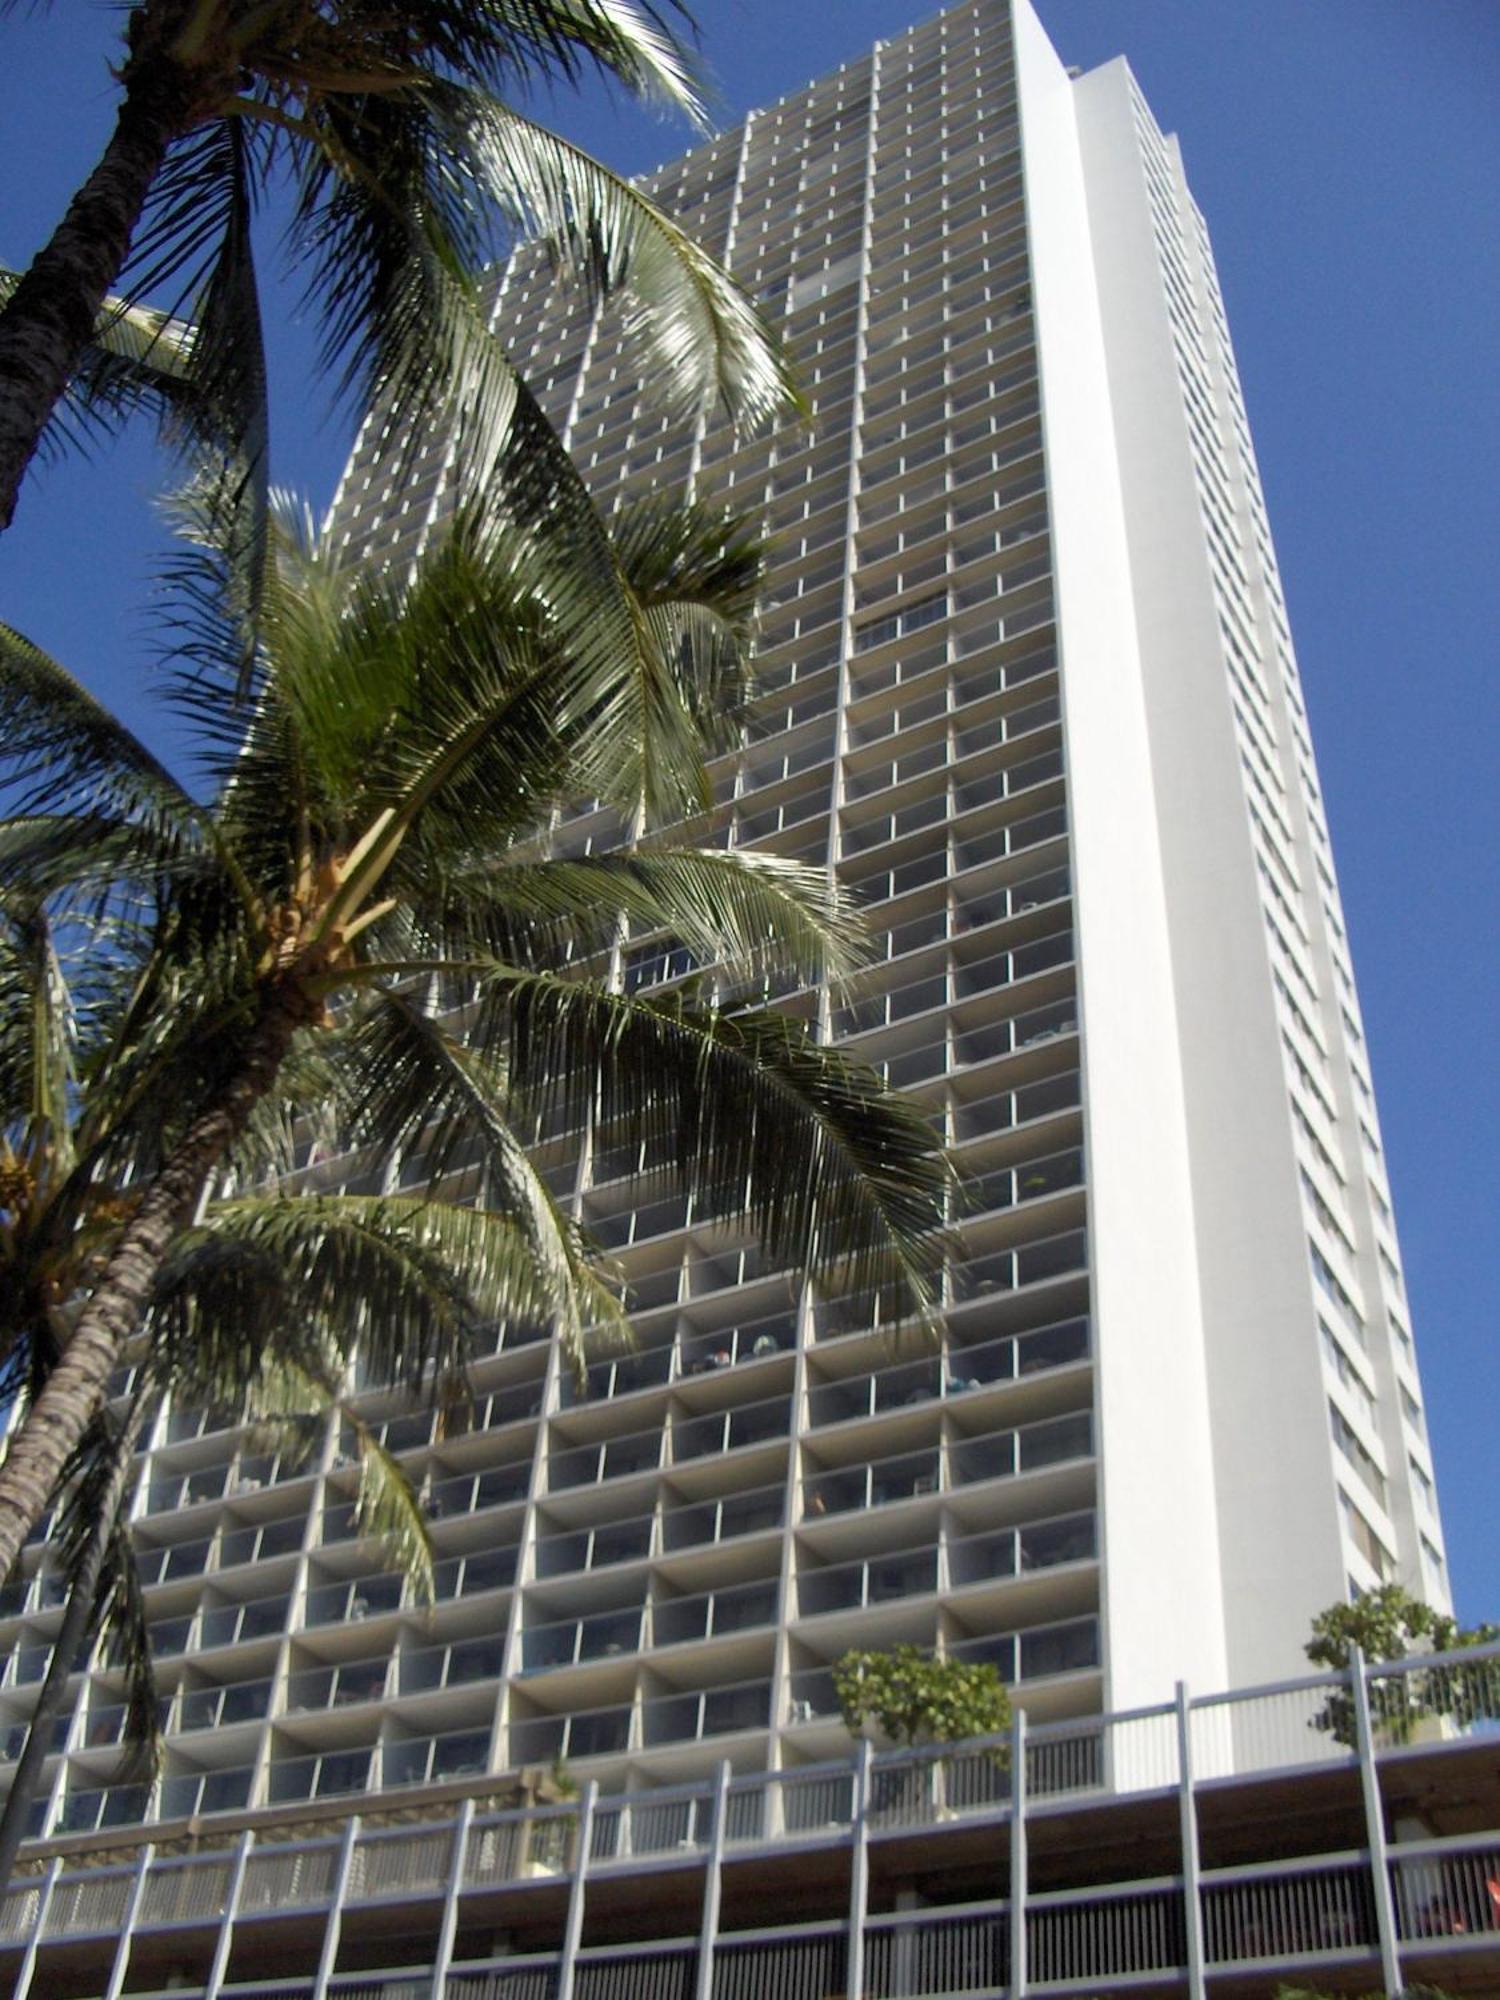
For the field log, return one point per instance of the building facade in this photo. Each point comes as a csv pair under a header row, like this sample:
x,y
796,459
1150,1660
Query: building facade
x,y
1027,685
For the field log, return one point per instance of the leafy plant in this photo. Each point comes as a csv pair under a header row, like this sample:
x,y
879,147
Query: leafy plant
x,y
1406,1993
915,1696
1390,1624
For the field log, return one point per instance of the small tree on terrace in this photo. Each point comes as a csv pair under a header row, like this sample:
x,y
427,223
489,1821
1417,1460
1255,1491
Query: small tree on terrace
x,y
1390,1624
914,1696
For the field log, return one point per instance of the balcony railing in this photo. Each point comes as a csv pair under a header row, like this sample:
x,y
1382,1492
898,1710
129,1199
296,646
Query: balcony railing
x,y
1440,1896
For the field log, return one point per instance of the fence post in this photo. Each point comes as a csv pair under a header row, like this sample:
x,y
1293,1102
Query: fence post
x,y
859,1869
708,1930
448,1928
573,1928
44,1903
342,1871
1018,1969
1187,1812
222,1943
1369,1778
127,1924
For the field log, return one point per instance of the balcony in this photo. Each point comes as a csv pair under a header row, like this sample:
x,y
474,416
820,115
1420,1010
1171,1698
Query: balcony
x,y
943,1467
421,1669
1010,1270
604,1635
690,1717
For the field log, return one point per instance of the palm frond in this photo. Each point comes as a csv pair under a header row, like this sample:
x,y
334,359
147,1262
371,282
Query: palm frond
x,y
701,336
421,1092
38,1040
63,751
93,1546
752,915
630,42
763,1124
302,1281
386,1507
137,362
696,572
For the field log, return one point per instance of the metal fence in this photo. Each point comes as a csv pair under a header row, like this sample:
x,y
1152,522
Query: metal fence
x,y
1361,1908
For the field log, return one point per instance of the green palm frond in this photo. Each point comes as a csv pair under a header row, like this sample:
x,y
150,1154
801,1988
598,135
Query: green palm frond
x,y
136,364
420,1090
701,336
93,1548
753,914
386,1507
630,42
395,262
63,751
414,1284
766,1127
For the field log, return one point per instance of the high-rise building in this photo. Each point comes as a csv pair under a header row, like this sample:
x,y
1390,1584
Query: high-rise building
x,y
1027,685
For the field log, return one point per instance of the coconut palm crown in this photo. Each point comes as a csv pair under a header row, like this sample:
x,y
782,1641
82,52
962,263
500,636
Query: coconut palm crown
x,y
361,883
391,136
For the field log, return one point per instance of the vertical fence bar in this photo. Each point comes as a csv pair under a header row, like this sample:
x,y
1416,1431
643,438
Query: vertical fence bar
x,y
220,1963
128,1923
859,1870
1018,1854
1369,1778
1187,1809
43,1904
713,1866
573,1928
448,1928
340,1890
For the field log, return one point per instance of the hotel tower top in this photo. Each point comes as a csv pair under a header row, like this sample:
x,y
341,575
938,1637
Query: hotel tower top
x,y
1027,684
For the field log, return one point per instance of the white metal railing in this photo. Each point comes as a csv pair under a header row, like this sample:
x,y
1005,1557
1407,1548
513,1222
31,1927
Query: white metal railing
x,y
789,1963
1446,1889
1284,1911
965,1950
1089,1934
1426,1897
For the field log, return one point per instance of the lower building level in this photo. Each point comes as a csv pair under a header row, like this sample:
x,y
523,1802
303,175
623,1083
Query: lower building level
x,y
1340,1831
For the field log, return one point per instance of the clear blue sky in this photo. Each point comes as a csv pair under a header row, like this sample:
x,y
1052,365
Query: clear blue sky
x,y
1347,156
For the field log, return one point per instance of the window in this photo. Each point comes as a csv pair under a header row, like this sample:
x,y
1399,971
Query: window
x,y
1365,1539
1345,1438
926,611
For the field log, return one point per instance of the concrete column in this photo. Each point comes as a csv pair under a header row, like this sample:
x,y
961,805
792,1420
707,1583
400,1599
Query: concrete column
x,y
44,1902
231,1909
128,1924
336,1909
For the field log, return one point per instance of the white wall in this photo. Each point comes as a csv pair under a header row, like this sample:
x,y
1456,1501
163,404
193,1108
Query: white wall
x,y
1280,1553
1163,1615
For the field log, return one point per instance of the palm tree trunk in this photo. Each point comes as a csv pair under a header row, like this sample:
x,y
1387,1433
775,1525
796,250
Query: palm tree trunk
x,y
76,1389
83,1591
50,317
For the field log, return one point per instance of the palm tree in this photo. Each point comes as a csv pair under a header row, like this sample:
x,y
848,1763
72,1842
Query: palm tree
x,y
368,885
258,1309
405,172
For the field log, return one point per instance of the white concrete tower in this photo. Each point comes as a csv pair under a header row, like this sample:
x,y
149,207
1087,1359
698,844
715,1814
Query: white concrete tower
x,y
1027,685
